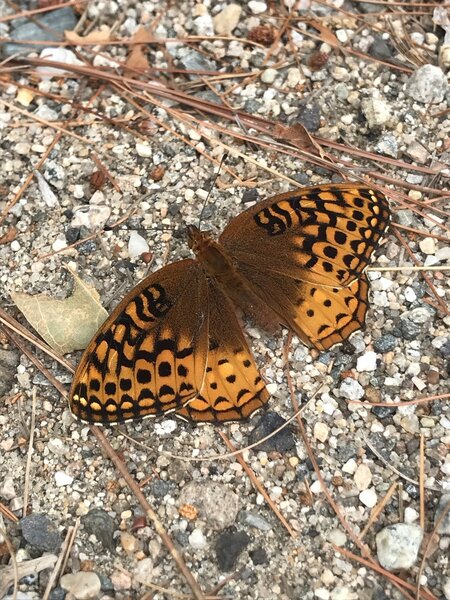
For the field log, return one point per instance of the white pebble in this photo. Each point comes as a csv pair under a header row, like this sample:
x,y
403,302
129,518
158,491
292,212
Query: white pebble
x,y
367,362
144,150
410,294
350,466
137,245
269,75
351,389
256,7
368,497
363,477
321,431
410,515
15,246
62,479
197,540
428,245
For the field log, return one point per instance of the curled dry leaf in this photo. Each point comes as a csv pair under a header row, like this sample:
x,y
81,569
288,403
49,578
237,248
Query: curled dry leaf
x,y
66,325
9,236
137,61
94,37
299,137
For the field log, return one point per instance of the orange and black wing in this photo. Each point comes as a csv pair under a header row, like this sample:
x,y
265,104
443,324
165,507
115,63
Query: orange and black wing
x,y
304,254
149,357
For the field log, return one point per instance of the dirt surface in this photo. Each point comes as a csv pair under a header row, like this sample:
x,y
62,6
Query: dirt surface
x,y
368,81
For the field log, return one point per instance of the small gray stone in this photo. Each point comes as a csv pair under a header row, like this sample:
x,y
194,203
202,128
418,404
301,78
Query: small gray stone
x,y
398,546
39,531
281,442
385,343
387,145
49,26
217,504
256,521
351,389
228,547
102,525
444,527
427,85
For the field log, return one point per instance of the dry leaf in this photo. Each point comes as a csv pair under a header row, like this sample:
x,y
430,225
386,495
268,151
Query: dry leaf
x,y
97,36
137,61
299,137
66,325
9,236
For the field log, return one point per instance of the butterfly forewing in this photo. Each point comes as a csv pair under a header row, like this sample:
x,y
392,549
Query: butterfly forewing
x,y
149,357
233,388
324,235
304,253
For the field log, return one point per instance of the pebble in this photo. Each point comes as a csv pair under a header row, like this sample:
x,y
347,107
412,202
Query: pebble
x,y
368,497
367,362
39,531
351,389
256,521
228,547
398,546
376,110
137,245
362,477
228,18
204,26
410,515
83,585
428,245
444,527
93,216
446,588
144,572
197,540
62,479
337,537
268,75
7,490
282,442
48,26
99,523
144,150
321,431
427,85
217,504
350,466
121,580
256,7
385,343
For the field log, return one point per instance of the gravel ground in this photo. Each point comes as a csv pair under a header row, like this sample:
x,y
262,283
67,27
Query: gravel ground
x,y
385,94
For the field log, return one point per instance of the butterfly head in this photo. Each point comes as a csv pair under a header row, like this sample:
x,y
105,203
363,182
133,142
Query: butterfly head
x,y
196,238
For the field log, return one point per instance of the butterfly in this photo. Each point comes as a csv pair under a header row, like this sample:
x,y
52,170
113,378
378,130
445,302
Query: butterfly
x,y
175,344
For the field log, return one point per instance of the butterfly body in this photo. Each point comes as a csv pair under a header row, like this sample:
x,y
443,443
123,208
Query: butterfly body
x,y
174,344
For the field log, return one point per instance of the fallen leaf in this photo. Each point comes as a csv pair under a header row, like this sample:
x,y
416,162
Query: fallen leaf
x,y
137,61
96,36
9,236
66,325
299,137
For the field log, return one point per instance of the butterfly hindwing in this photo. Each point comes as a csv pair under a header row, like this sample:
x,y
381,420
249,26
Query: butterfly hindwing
x,y
233,388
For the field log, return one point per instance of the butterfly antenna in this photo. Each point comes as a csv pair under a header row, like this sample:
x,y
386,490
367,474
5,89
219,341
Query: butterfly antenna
x,y
222,160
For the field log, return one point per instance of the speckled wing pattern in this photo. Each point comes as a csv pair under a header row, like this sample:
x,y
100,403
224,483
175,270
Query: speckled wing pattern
x,y
304,254
168,346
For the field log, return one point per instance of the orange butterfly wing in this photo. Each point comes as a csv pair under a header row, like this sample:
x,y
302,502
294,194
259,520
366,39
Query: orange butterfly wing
x,y
304,253
172,344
